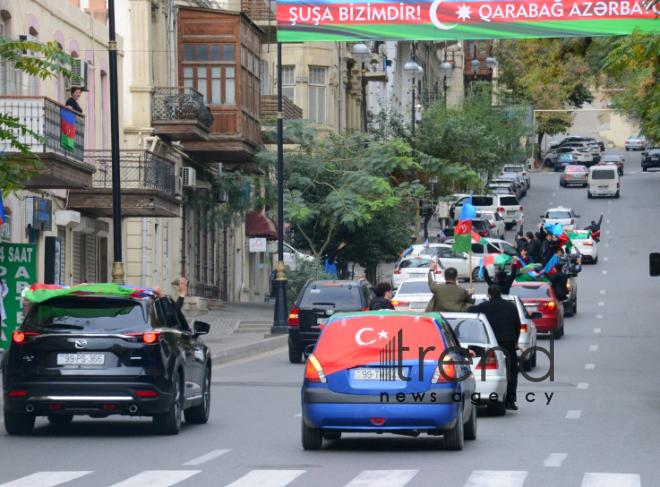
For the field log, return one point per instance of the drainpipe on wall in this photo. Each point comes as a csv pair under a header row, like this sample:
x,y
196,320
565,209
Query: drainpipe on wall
x,y
340,87
225,268
144,252
173,81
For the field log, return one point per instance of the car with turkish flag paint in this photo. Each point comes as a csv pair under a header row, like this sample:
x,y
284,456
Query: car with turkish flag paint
x,y
539,297
388,372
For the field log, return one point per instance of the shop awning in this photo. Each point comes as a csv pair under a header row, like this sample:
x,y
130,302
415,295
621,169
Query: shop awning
x,y
259,225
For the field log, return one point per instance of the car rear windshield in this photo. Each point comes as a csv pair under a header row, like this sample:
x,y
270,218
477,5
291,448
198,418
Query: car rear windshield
x,y
558,215
568,157
479,225
603,174
91,315
611,159
531,291
482,201
513,169
509,201
576,169
414,263
331,294
469,330
414,287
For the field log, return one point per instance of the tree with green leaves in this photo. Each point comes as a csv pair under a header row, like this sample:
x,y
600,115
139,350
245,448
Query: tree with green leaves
x,y
634,64
47,60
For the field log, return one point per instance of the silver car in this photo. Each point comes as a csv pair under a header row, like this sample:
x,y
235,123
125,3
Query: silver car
x,y
527,332
475,333
565,216
518,168
518,179
573,175
413,294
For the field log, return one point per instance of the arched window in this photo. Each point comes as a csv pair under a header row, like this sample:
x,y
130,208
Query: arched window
x,y
60,84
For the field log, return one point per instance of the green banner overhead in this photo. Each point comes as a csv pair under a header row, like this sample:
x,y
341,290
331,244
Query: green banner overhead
x,y
18,270
336,20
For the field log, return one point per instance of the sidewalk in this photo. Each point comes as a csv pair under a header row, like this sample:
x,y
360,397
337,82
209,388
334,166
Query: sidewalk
x,y
239,330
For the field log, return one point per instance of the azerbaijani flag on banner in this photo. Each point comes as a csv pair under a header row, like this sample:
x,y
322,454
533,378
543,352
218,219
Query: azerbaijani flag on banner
x,y
41,292
68,120
478,238
493,259
463,231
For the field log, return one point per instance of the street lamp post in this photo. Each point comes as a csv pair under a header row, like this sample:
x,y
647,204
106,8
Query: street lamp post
x,y
446,70
362,54
117,265
413,69
280,320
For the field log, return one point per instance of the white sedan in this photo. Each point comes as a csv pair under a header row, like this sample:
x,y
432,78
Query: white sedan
x,y
564,216
291,256
414,294
475,333
413,267
448,258
588,247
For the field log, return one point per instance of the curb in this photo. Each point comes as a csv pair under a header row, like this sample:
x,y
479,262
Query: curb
x,y
243,351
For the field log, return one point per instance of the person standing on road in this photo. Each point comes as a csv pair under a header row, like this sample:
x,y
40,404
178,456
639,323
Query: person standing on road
x,y
549,246
383,292
505,322
595,228
448,296
501,279
443,214
559,281
533,248
521,242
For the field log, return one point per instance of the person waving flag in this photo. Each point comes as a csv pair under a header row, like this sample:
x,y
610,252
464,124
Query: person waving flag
x,y
426,244
463,231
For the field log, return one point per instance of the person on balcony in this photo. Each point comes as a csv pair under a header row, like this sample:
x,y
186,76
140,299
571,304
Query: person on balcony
x,y
72,102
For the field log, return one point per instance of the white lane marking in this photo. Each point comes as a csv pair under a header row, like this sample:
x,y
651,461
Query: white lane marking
x,y
602,291
157,478
609,202
604,272
583,385
590,366
267,478
554,194
299,415
607,245
593,348
596,330
632,172
606,259
599,316
607,232
550,203
601,303
607,221
382,478
611,480
496,478
574,414
609,211
555,460
556,187
45,479
206,458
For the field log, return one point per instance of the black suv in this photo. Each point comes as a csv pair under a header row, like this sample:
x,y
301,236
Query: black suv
x,y
317,302
651,158
102,355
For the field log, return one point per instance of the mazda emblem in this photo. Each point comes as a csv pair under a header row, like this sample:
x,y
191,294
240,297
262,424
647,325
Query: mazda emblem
x,y
81,343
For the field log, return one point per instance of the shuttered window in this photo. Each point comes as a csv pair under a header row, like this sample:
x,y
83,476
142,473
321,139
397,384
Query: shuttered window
x,y
61,233
76,258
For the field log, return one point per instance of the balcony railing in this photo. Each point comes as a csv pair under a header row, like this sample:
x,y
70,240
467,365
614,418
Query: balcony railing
x,y
180,103
260,10
43,117
290,111
139,170
204,290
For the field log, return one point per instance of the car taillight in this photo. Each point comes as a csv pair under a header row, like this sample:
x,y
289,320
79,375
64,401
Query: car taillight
x,y
400,303
523,328
551,305
17,393
483,233
568,286
365,309
398,271
572,222
146,394
313,370
521,208
294,317
588,185
568,176
437,271
491,361
500,209
590,244
617,185
524,174
148,338
501,174
448,370
21,336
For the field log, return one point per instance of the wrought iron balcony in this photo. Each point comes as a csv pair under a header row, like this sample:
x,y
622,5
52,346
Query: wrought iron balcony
x,y
179,113
148,185
60,167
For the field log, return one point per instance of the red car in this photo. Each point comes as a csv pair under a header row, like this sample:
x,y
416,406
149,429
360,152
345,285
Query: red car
x,y
539,296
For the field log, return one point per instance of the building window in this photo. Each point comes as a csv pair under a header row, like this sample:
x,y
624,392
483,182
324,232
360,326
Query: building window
x,y
205,70
317,94
289,82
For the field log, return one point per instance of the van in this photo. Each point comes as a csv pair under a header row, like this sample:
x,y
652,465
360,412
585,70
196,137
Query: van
x,y
508,207
603,181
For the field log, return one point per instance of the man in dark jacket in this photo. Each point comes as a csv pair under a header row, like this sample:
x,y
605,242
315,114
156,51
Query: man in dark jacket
x,y
505,322
595,228
182,287
549,245
533,247
559,282
521,242
383,292
501,279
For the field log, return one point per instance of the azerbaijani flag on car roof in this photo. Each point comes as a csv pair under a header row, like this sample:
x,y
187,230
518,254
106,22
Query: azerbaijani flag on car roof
x,y
39,293
351,341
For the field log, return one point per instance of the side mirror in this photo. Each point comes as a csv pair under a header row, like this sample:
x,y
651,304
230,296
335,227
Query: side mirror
x,y
654,264
201,328
536,315
578,216
309,349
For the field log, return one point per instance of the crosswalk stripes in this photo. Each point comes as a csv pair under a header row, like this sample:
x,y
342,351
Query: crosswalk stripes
x,y
157,478
496,478
205,458
267,478
611,480
382,478
45,479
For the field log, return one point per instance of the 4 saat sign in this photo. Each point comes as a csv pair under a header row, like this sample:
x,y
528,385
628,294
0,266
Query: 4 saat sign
x,y
330,20
18,270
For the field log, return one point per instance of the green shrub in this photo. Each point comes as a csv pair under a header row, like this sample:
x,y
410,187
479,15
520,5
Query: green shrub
x,y
296,279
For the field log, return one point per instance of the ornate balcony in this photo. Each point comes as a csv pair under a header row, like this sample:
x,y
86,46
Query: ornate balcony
x,y
60,168
148,186
179,113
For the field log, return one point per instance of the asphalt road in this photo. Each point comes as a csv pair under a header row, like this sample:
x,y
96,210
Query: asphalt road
x,y
601,428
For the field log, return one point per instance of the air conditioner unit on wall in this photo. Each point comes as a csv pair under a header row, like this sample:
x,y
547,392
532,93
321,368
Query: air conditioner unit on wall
x,y
28,38
81,68
188,177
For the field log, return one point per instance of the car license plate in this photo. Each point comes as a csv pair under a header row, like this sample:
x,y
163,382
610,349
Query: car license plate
x,y
321,321
80,359
375,374
511,212
418,305
602,187
531,308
